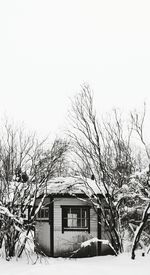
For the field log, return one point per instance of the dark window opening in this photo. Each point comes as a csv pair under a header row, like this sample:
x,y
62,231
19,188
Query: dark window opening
x,y
43,213
75,218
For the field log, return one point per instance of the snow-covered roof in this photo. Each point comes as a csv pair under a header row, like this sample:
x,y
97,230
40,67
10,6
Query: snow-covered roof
x,y
72,186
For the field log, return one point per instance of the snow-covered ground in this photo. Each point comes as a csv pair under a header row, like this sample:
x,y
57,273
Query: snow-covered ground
x,y
104,265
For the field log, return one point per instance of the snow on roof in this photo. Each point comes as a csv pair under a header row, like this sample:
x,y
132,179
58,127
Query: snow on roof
x,y
72,186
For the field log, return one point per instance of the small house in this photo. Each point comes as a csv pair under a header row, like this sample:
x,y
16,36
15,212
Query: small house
x,y
68,224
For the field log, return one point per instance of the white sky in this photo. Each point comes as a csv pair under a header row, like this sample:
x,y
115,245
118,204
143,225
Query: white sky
x,y
49,47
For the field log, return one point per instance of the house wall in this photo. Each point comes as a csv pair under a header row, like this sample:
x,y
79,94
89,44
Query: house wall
x,y
68,241
65,243
42,237
42,232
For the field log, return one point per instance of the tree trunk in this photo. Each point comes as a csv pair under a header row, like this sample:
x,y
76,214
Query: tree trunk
x,y
24,243
139,231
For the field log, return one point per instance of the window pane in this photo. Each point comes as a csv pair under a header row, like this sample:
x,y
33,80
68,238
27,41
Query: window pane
x,y
46,213
39,214
69,220
79,223
75,217
65,222
76,211
84,213
72,220
42,213
84,222
65,212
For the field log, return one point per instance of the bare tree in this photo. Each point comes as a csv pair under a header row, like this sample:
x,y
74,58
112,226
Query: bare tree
x,y
103,154
138,122
26,165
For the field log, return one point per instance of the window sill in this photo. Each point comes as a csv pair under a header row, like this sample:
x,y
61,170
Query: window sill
x,y
42,220
76,229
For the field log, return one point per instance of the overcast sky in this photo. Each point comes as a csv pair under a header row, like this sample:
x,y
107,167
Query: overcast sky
x,y
49,47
